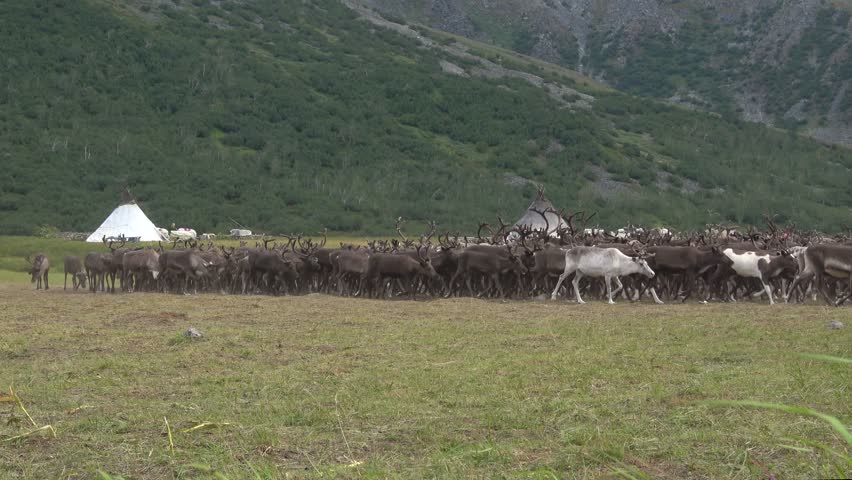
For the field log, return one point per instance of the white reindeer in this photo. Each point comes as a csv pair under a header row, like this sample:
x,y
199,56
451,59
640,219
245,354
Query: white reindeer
x,y
747,264
600,262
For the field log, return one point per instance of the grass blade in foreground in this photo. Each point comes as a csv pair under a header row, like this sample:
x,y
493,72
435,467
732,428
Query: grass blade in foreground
x,y
833,421
827,358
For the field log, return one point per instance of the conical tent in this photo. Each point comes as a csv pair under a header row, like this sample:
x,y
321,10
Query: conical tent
x,y
534,220
127,220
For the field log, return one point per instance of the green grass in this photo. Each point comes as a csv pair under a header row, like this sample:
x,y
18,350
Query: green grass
x,y
320,386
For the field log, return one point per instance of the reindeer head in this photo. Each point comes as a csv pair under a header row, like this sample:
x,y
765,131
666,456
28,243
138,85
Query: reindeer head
x,y
642,266
426,262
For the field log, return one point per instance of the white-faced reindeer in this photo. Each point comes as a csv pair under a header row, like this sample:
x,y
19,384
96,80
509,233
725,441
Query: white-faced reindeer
x,y
600,262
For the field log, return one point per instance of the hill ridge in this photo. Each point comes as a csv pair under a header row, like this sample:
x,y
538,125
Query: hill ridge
x,y
292,116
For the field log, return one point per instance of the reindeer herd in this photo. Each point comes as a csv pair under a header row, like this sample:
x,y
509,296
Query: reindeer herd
x,y
509,262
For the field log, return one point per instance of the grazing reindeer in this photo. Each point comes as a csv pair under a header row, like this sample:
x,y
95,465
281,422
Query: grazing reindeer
x,y
39,270
74,267
600,262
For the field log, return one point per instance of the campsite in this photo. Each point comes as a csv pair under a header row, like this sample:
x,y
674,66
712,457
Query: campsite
x,y
315,382
375,239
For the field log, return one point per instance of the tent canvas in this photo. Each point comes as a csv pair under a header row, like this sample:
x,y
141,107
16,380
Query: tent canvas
x,y
127,220
534,220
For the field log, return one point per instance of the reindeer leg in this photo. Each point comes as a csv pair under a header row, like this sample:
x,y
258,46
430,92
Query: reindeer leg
x,y
496,279
620,287
576,283
608,281
65,284
656,298
843,299
767,290
820,286
559,284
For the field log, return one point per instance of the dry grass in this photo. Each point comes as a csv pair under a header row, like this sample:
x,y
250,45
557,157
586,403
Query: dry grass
x,y
322,386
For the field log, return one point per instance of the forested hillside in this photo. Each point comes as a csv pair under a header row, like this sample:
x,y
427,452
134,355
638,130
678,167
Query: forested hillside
x,y
293,116
778,62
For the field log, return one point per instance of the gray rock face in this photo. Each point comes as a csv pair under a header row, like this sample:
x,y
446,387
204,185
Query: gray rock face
x,y
193,334
758,40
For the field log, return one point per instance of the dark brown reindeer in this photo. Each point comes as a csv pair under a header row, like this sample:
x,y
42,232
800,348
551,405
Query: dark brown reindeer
x,y
350,265
491,262
39,269
113,264
302,254
96,265
74,267
141,269
271,269
402,267
686,261
826,260
187,264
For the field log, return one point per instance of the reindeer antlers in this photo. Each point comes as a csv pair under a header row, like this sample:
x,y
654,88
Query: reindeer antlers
x,y
433,227
399,222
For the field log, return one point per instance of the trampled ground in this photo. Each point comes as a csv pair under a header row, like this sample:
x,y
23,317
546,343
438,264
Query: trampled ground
x,y
323,386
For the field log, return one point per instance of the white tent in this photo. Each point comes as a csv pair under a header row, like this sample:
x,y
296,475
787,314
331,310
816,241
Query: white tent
x,y
129,221
534,220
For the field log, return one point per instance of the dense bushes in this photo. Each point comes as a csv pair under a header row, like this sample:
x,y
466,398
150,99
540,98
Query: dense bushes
x,y
316,120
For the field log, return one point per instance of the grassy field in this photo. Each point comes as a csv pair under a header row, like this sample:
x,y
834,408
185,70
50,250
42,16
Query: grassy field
x,y
319,386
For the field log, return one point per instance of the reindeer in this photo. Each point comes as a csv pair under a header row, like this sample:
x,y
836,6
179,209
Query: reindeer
x,y
821,260
349,264
406,269
96,265
686,261
751,265
112,264
182,263
40,266
74,267
600,262
139,267
492,262
272,269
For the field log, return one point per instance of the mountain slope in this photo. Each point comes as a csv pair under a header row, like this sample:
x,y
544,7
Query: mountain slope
x,y
781,62
289,116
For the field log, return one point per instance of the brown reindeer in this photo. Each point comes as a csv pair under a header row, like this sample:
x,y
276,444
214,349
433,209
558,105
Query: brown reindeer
x,y
39,270
74,267
139,267
491,262
687,261
826,260
382,266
